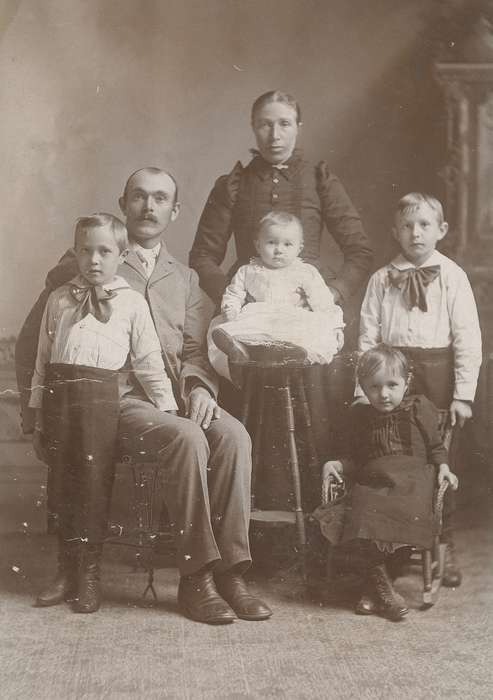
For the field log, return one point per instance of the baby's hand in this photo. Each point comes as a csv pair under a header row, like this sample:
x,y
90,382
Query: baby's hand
x,y
444,474
336,294
231,314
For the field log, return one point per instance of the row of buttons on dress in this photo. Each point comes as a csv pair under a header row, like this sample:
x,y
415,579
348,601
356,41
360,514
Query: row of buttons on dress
x,y
275,180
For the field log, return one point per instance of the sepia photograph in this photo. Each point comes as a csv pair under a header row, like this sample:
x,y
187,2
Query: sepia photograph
x,y
246,349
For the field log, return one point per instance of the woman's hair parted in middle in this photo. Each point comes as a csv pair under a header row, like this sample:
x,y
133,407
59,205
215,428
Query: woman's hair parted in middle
x,y
276,96
278,218
382,355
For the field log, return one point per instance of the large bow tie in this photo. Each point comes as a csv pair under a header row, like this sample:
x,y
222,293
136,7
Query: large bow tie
x,y
93,300
413,283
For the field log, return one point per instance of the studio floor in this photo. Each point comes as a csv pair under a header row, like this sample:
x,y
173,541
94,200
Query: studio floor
x,y
311,647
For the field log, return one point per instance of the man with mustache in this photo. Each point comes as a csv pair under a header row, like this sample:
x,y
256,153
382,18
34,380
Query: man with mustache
x,y
205,453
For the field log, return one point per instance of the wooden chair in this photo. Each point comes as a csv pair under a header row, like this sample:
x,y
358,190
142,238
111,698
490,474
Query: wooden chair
x,y
432,560
149,528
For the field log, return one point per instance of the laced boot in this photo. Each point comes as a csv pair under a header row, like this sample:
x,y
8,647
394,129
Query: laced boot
x,y
367,604
89,587
64,586
390,603
452,576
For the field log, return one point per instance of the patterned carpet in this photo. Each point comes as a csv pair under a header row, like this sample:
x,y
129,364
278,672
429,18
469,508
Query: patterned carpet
x,y
309,649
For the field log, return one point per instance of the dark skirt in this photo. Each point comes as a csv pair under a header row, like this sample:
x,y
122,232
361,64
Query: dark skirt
x,y
81,413
392,502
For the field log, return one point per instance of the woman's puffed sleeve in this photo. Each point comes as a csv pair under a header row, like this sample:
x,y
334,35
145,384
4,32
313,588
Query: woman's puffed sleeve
x,y
213,233
427,418
344,224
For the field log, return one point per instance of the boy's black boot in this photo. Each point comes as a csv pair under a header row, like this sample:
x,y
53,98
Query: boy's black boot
x,y
367,604
89,586
64,586
390,603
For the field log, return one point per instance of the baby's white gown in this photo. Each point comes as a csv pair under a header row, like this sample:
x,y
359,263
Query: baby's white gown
x,y
291,305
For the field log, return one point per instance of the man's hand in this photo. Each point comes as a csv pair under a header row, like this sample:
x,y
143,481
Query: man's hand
x,y
460,411
202,408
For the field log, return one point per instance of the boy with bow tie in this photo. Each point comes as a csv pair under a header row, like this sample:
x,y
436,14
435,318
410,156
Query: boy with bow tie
x,y
423,304
90,325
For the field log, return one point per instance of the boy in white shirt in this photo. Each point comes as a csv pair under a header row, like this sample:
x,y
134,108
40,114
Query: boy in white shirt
x,y
423,304
90,326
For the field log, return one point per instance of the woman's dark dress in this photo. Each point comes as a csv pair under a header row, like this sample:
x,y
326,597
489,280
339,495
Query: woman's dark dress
x,y
234,208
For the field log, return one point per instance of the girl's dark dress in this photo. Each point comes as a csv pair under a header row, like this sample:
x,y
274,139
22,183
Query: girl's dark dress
x,y
395,455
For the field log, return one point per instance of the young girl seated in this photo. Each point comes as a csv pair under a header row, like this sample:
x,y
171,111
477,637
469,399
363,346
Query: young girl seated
x,y
277,303
89,327
395,456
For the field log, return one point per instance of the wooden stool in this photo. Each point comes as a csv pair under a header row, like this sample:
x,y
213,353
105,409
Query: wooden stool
x,y
286,378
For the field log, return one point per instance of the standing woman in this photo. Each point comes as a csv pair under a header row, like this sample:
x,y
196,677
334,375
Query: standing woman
x,y
279,178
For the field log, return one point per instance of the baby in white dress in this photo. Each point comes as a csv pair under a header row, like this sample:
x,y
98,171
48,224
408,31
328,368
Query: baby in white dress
x,y
278,303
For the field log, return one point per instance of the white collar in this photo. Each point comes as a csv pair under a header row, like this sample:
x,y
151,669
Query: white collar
x,y
147,253
116,283
402,263
257,261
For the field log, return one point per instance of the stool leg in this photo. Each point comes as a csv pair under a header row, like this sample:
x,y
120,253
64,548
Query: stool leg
x,y
307,419
247,397
427,576
258,434
295,469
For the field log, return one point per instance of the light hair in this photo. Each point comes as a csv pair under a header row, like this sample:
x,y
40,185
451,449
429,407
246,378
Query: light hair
x,y
117,227
276,96
279,218
154,171
382,355
410,202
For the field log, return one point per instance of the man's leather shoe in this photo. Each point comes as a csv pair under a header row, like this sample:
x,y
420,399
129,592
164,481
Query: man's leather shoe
x,y
199,600
58,591
233,589
452,576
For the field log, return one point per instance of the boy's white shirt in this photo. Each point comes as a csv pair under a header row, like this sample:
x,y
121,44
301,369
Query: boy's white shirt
x,y
451,320
89,342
